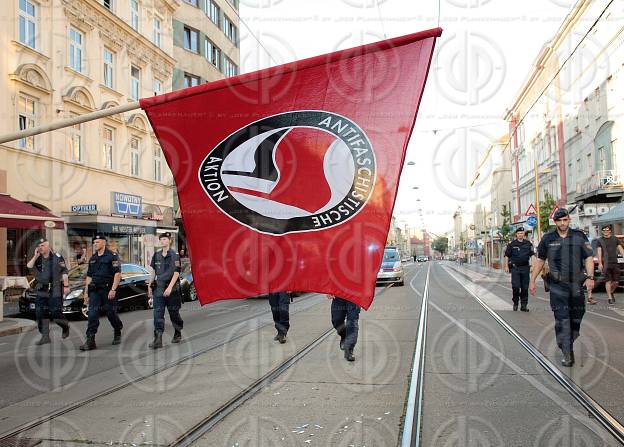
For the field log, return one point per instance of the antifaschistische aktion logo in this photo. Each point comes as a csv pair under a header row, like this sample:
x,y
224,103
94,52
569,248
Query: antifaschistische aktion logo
x,y
292,172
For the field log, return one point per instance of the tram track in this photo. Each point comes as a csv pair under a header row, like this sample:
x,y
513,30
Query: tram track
x,y
593,408
13,436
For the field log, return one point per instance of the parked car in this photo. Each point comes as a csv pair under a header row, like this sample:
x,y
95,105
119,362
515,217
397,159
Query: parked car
x,y
391,268
187,287
131,292
422,258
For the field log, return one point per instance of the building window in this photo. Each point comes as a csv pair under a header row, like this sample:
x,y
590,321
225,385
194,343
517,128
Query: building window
x,y
157,32
229,67
191,37
135,147
75,49
212,11
76,149
157,164
157,87
109,4
212,53
27,23
135,82
230,30
134,14
108,143
190,80
108,68
191,2
26,116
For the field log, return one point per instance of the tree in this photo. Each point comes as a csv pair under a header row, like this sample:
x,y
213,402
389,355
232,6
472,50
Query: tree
x,y
546,208
505,228
440,244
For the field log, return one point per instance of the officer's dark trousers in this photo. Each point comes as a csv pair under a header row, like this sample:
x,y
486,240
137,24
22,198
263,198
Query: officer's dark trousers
x,y
280,302
342,310
520,284
173,303
567,301
98,301
49,307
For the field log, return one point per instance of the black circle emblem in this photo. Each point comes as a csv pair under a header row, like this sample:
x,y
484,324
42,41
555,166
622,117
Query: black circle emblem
x,y
254,175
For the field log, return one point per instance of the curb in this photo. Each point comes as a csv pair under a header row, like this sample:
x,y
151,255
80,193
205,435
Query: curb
x,y
20,325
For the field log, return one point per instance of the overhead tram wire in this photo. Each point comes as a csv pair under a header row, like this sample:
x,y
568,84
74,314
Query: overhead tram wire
x,y
545,89
253,35
383,29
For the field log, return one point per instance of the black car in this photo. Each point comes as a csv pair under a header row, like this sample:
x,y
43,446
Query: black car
x,y
131,292
187,287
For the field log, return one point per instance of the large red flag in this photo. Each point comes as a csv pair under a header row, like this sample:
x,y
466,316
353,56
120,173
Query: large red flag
x,y
287,176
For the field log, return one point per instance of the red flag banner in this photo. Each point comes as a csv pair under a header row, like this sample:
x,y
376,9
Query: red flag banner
x,y
287,176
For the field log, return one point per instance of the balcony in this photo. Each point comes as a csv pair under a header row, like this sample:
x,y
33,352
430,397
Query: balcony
x,y
601,187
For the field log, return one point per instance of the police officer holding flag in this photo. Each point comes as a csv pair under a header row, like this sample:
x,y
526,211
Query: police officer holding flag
x,y
571,263
518,256
52,284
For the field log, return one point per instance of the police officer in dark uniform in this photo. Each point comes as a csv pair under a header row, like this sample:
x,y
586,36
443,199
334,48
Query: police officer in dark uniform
x,y
103,276
570,259
52,284
518,255
345,317
280,304
166,266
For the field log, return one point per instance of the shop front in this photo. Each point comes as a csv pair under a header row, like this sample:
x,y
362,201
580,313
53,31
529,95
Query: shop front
x,y
133,239
21,225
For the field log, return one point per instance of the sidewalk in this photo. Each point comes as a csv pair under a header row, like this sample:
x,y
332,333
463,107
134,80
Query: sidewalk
x,y
13,326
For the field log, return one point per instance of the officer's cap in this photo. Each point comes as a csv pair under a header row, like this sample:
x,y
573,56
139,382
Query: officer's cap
x,y
606,227
519,229
560,214
165,234
98,236
42,240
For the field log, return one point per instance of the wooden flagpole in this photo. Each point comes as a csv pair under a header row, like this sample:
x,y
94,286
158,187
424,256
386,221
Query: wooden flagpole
x,y
69,122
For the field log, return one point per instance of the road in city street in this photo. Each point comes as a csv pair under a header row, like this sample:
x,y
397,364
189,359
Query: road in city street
x,y
230,383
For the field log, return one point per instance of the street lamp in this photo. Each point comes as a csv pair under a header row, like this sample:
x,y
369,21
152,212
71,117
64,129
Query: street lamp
x,y
537,195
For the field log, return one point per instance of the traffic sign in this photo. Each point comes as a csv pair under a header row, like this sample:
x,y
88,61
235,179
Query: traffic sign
x,y
531,211
552,215
531,221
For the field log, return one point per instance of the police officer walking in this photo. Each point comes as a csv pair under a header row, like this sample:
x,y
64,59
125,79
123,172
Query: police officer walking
x,y
518,255
345,317
280,304
50,272
570,259
166,266
103,276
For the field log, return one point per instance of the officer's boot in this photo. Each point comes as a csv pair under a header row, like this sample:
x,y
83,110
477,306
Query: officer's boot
x,y
65,333
281,338
568,359
177,337
117,338
348,355
515,307
44,340
89,344
524,308
342,340
157,343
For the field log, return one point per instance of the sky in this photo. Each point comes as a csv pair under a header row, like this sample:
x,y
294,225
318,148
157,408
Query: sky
x,y
484,55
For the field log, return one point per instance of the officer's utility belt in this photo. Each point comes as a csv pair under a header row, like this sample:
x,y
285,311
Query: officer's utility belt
x,y
558,277
45,287
518,264
164,284
100,286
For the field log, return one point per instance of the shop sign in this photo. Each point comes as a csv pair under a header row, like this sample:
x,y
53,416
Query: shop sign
x,y
90,208
127,204
125,229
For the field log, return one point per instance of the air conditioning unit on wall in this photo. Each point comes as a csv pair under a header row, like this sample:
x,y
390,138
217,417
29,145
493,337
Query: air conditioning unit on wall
x,y
603,209
590,210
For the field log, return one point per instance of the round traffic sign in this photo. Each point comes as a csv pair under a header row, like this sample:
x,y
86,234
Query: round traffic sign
x,y
531,221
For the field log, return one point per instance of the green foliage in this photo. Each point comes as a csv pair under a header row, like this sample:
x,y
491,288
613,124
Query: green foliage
x,y
440,244
546,207
505,229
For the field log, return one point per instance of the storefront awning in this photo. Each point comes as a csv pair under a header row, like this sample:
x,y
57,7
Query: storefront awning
x,y
16,214
615,214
